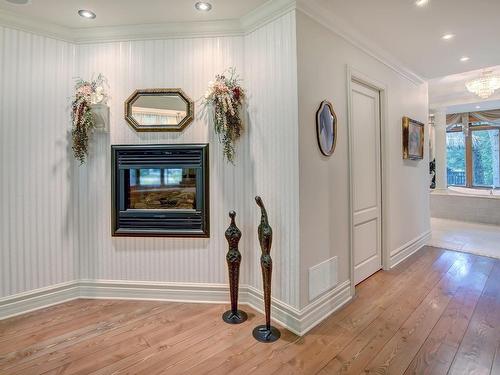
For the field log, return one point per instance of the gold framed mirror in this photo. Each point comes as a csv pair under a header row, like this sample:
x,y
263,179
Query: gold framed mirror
x,y
159,110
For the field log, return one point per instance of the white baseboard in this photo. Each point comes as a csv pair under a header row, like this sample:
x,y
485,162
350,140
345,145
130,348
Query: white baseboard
x,y
296,321
154,291
37,299
409,248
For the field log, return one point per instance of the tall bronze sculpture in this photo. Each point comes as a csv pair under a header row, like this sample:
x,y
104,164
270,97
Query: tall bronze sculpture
x,y
266,333
233,258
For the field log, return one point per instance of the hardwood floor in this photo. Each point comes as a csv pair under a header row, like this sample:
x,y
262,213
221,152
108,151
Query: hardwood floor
x,y
437,313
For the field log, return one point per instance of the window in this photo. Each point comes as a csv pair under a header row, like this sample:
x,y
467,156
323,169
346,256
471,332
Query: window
x,y
485,158
474,160
455,144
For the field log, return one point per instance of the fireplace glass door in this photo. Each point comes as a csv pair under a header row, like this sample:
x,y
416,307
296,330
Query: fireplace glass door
x,y
160,190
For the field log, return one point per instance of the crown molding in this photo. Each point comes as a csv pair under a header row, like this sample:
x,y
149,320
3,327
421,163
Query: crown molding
x,y
335,24
30,25
260,16
267,12
171,30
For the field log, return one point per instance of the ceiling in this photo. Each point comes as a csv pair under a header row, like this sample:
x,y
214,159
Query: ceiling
x,y
409,35
473,107
129,12
413,34
450,92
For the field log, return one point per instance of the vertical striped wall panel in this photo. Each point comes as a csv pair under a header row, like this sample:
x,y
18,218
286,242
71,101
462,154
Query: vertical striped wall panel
x,y
267,162
189,64
36,226
271,77
74,203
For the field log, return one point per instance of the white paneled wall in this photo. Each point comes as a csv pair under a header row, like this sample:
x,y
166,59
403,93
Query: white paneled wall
x,y
55,223
267,162
271,78
36,216
189,64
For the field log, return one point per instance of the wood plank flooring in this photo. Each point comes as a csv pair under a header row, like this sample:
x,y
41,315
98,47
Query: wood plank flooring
x,y
436,313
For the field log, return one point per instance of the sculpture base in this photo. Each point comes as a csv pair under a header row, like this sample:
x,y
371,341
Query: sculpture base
x,y
232,318
262,334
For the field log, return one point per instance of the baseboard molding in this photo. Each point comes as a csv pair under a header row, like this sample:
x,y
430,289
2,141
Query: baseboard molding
x,y
409,248
38,299
320,309
295,320
154,291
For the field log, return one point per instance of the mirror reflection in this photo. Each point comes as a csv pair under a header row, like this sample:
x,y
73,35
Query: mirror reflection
x,y
159,110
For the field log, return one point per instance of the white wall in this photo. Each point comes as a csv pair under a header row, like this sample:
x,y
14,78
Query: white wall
x,y
36,215
271,79
286,75
266,163
323,57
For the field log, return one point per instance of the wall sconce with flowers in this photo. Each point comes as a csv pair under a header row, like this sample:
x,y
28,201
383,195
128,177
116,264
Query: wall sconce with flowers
x,y
89,112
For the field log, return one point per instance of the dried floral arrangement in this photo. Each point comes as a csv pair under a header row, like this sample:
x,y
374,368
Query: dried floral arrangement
x,y
223,100
87,93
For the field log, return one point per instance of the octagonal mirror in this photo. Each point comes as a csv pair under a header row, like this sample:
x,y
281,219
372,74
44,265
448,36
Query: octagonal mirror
x,y
156,110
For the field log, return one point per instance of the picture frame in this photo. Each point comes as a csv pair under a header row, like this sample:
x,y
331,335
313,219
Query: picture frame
x,y
326,128
413,139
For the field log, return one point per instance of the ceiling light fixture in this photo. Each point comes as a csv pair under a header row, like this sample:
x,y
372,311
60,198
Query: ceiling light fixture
x,y
203,6
448,36
464,58
86,14
421,3
484,86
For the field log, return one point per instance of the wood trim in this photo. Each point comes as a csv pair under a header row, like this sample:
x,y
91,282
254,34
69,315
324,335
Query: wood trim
x,y
469,170
468,159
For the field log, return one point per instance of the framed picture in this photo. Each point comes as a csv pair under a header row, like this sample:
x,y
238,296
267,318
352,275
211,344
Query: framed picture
x,y
326,128
413,139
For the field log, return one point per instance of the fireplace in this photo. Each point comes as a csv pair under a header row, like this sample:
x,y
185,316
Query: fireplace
x,y
160,190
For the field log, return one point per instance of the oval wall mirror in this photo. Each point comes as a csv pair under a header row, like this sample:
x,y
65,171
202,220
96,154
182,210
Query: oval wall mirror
x,y
156,110
326,128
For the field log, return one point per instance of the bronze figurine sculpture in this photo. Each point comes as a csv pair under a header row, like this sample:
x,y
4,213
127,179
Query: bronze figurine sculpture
x,y
233,258
266,333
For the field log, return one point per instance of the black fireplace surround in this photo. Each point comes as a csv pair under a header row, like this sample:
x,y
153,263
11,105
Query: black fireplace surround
x,y
160,191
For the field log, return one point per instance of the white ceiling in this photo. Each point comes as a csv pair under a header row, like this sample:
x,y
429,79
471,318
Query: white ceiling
x,y
409,35
413,34
129,12
482,106
450,92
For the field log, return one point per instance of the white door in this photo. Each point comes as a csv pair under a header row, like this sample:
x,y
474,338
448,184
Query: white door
x,y
366,180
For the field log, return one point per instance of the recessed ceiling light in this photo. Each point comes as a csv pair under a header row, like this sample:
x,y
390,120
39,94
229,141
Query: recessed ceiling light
x,y
203,6
464,58
421,3
86,14
448,36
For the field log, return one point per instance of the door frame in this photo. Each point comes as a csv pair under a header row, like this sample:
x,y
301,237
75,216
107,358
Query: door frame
x,y
356,75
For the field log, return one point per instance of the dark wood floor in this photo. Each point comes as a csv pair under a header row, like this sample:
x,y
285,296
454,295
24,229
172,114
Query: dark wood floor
x,y
437,313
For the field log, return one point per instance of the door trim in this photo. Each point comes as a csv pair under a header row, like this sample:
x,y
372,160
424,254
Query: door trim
x,y
356,75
